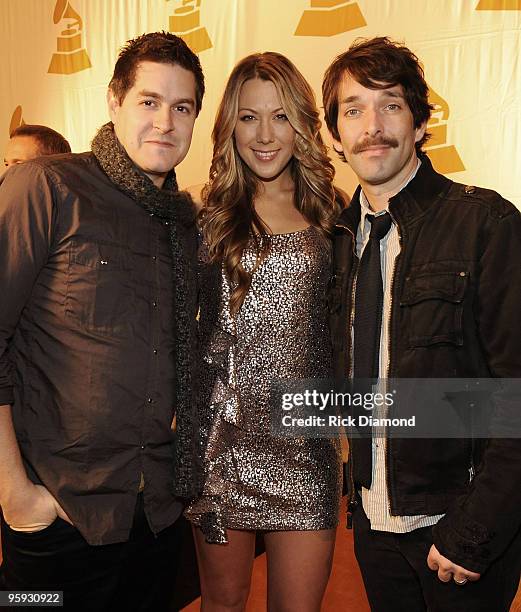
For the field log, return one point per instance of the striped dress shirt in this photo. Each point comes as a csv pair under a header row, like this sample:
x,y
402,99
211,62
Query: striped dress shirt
x,y
375,500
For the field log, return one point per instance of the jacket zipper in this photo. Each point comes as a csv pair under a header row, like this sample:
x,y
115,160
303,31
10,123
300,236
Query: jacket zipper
x,y
351,506
472,471
353,503
353,289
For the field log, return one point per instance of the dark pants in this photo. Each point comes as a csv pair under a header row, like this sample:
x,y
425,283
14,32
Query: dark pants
x,y
397,578
134,575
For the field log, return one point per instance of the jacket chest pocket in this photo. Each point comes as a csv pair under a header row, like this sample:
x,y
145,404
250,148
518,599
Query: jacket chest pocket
x,y
432,308
99,293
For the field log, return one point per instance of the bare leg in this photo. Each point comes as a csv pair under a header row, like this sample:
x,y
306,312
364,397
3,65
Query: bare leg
x,y
299,564
225,571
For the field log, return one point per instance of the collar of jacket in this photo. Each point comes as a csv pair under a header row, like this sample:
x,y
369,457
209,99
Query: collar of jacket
x,y
407,205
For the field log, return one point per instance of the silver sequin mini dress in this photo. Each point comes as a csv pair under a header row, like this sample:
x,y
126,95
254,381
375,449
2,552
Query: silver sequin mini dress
x,y
253,479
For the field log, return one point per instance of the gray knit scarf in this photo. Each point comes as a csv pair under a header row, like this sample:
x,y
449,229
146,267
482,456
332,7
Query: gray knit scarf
x,y
174,209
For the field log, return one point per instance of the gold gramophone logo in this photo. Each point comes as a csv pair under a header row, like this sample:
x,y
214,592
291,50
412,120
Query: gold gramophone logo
x,y
71,56
499,5
16,120
330,17
186,23
444,157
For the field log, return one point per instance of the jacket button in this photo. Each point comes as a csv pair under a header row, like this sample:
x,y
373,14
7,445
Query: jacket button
x,y
470,189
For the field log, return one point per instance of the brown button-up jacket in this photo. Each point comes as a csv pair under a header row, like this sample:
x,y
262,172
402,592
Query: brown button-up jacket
x,y
86,345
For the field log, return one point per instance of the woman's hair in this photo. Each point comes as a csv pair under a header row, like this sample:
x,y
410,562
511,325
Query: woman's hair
x,y
228,216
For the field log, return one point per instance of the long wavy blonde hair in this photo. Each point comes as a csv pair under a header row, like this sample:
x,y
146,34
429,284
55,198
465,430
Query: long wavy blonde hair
x,y
228,217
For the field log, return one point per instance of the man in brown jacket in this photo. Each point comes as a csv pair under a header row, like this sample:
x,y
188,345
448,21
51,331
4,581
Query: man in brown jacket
x,y
96,347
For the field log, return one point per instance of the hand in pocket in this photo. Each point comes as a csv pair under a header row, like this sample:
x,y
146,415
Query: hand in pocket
x,y
35,511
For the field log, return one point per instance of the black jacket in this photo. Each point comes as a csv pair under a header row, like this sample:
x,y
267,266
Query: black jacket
x,y
456,303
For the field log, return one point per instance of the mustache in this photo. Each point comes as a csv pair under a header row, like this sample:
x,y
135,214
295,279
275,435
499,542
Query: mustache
x,y
373,142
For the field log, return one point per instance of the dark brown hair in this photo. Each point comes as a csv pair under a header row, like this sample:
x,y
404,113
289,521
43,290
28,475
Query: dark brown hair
x,y
50,142
160,47
378,63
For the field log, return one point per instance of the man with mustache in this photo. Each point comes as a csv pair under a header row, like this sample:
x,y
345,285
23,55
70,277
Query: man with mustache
x,y
97,342
426,285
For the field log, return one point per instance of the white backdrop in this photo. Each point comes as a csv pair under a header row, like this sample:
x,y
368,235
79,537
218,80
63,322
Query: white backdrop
x,y
471,51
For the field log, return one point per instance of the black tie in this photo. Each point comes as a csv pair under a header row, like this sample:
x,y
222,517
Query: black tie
x,y
367,326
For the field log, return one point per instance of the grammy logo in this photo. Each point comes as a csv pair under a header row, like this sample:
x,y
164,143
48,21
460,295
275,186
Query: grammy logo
x,y
71,57
330,17
499,5
16,120
444,158
185,22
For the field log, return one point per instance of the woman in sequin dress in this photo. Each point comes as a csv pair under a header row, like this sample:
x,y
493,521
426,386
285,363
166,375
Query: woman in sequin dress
x,y
264,265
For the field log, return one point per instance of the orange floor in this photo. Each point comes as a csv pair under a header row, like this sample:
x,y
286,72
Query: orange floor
x,y
345,591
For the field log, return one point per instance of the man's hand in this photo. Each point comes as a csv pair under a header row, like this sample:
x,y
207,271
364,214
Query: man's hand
x,y
33,509
448,570
25,506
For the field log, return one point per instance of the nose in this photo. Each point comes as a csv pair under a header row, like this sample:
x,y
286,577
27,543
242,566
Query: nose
x,y
373,122
265,131
164,119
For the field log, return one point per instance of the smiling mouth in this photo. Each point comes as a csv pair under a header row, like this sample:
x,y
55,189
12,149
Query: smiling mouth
x,y
265,155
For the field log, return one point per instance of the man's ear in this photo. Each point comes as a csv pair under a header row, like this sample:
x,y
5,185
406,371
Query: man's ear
x,y
337,145
338,149
420,132
113,104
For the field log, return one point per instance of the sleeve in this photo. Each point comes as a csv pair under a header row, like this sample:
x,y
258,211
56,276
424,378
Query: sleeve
x,y
485,520
26,211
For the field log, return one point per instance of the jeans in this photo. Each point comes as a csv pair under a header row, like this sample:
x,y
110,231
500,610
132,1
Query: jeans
x,y
137,575
397,578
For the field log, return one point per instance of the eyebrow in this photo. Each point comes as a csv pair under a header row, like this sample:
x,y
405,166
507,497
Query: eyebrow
x,y
252,110
390,93
152,94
